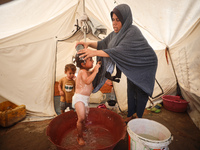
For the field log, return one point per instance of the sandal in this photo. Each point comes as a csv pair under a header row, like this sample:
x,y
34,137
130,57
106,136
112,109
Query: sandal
x,y
156,108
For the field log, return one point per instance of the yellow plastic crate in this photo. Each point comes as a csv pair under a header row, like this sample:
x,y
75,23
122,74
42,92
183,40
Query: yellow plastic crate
x,y
11,113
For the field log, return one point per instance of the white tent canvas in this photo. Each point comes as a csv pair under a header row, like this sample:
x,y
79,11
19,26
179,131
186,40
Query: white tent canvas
x,y
34,47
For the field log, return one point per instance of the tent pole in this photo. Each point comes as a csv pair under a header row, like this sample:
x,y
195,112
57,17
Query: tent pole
x,y
167,49
178,87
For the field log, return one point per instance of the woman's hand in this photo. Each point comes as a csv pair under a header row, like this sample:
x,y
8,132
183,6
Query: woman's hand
x,y
88,44
86,53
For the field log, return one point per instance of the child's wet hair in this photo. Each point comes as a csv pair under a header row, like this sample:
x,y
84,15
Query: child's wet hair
x,y
78,60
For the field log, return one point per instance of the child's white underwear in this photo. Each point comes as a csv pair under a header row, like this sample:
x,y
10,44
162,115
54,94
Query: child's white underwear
x,y
80,98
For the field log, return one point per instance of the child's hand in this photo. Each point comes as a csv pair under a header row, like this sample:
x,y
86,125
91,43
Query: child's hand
x,y
98,65
61,93
99,62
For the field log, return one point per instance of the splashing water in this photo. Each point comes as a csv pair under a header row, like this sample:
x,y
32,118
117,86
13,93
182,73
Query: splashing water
x,y
96,137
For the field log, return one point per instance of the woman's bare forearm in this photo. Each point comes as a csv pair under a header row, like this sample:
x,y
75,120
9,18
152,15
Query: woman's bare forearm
x,y
92,44
101,53
86,53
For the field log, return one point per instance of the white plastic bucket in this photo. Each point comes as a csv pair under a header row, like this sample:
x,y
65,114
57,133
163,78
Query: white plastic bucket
x,y
138,128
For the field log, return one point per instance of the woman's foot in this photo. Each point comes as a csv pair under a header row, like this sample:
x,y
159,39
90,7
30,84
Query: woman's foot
x,y
80,141
126,120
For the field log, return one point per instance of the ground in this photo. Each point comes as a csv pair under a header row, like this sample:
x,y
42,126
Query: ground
x,y
32,135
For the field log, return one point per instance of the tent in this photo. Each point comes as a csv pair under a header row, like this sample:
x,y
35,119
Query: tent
x,y
37,38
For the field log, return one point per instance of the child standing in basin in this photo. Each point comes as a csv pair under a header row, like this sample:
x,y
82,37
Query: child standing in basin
x,y
83,90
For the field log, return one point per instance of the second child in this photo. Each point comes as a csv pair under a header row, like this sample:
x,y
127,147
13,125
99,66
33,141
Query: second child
x,y
66,87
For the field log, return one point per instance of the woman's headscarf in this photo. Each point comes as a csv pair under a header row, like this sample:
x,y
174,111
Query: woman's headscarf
x,y
126,13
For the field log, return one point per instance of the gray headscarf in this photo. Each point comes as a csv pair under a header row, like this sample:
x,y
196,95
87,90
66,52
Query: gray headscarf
x,y
127,19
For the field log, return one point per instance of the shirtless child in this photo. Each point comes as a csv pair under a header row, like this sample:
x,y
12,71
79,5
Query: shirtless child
x,y
83,90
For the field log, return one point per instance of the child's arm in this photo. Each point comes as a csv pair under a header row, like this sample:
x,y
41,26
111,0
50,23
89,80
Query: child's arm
x,y
88,78
60,90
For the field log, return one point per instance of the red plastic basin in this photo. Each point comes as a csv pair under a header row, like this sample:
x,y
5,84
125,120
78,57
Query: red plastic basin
x,y
105,130
174,103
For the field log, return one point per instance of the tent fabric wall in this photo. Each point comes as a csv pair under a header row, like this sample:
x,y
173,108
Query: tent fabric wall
x,y
185,55
27,75
22,15
34,27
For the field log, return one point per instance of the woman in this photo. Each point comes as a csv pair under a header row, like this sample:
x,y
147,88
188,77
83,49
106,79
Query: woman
x,y
128,49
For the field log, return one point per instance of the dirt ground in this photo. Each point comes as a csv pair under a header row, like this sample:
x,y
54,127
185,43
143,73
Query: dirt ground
x,y
32,135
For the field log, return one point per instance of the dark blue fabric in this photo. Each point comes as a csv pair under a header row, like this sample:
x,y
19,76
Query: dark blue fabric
x,y
137,99
136,59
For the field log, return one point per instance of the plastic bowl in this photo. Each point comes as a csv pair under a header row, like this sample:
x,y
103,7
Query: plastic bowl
x,y
174,103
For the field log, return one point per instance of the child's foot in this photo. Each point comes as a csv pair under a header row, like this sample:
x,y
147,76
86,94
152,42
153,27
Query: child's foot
x,y
80,141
